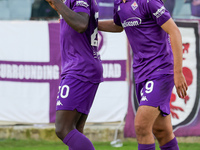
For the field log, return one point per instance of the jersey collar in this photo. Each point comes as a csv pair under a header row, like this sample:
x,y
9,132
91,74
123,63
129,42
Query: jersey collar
x,y
125,0
121,1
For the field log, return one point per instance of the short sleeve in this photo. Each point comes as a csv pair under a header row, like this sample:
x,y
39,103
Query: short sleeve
x,y
116,17
81,6
158,12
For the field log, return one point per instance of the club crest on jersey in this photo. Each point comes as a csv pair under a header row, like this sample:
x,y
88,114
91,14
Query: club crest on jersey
x,y
134,5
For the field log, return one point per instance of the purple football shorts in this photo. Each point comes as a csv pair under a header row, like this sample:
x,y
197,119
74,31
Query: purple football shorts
x,y
156,92
76,94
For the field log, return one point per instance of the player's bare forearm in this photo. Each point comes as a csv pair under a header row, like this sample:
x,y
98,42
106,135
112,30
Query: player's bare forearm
x,y
109,26
176,44
78,21
179,79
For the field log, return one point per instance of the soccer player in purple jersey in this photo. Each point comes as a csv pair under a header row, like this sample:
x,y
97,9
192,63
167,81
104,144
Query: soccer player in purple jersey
x,y
157,65
81,69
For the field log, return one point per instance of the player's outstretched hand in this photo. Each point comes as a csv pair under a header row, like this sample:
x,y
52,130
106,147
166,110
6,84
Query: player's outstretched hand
x,y
180,84
52,3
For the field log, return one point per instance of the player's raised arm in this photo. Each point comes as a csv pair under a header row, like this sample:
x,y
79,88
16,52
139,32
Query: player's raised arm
x,y
109,26
78,21
176,44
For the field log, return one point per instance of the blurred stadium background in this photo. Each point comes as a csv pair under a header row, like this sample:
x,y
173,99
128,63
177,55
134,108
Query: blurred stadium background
x,y
30,68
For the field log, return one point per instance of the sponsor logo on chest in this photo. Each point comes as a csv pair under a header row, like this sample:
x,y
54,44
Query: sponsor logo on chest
x,y
133,21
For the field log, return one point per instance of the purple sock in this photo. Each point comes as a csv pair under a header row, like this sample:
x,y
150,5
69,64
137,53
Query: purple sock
x,y
171,145
77,141
146,146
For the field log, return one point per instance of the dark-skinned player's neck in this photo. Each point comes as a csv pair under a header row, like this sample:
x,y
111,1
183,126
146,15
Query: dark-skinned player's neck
x,y
124,1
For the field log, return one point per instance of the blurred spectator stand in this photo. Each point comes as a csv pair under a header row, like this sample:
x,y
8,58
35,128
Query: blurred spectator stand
x,y
41,10
15,9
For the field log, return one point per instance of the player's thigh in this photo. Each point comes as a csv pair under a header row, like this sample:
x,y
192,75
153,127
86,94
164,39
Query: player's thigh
x,y
66,120
163,123
81,122
162,129
145,117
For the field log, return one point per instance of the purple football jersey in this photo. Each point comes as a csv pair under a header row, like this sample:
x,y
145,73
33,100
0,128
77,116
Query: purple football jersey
x,y
79,55
142,20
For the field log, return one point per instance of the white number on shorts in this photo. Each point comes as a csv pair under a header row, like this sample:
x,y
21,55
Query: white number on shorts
x,y
149,87
58,91
66,89
141,93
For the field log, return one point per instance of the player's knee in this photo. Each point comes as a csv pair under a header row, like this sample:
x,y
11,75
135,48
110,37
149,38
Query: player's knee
x,y
141,129
158,132
61,133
